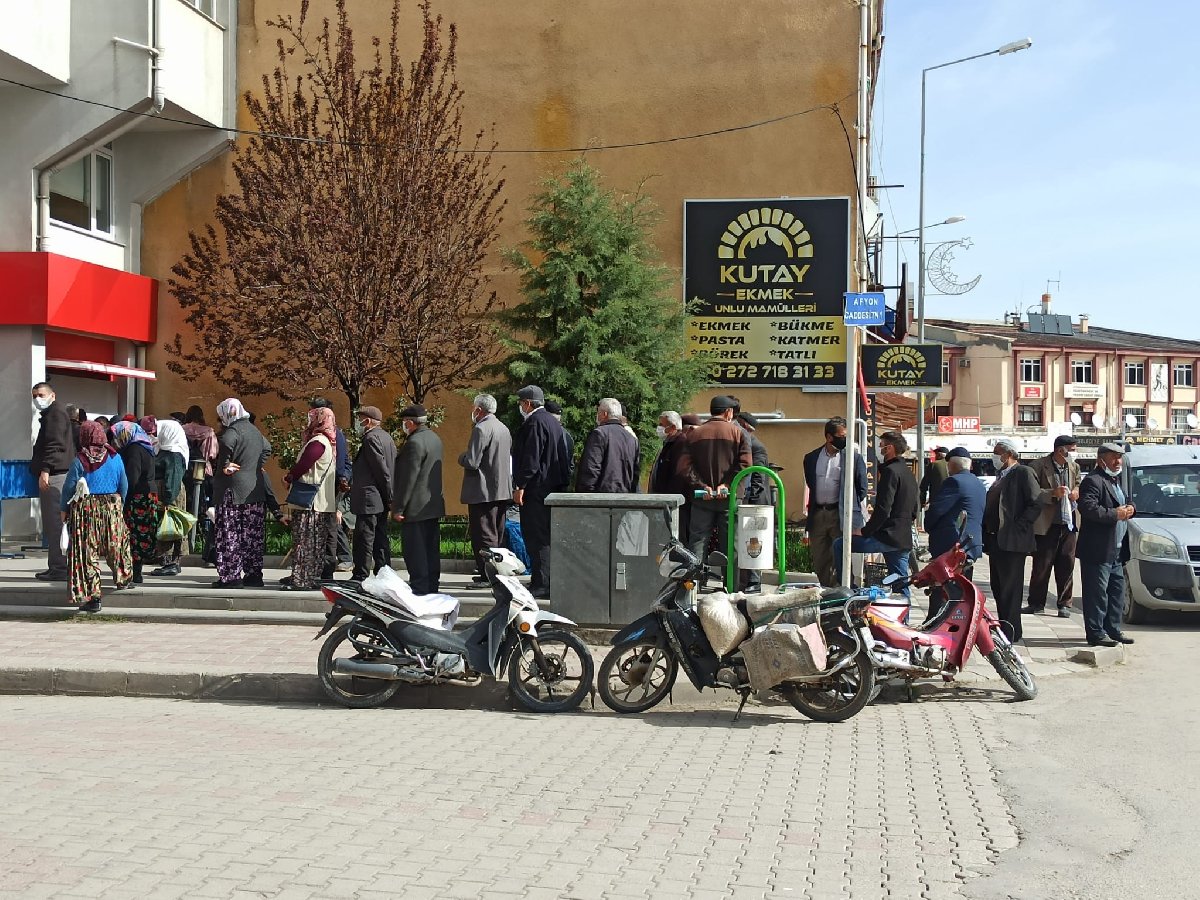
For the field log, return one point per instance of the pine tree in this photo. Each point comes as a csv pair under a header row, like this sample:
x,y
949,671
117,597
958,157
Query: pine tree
x,y
600,317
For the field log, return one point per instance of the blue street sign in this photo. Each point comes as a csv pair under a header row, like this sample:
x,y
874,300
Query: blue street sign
x,y
865,309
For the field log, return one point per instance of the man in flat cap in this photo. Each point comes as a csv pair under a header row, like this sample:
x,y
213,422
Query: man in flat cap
x,y
1011,508
541,466
487,479
960,494
713,454
1056,528
417,502
1103,547
371,493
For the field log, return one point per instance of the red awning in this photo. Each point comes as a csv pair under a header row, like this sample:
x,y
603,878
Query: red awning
x,y
95,368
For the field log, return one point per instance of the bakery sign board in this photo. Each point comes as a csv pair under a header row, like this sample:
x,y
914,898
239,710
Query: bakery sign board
x,y
766,280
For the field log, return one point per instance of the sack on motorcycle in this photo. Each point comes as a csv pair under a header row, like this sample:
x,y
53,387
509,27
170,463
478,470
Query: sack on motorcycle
x,y
779,653
723,622
760,606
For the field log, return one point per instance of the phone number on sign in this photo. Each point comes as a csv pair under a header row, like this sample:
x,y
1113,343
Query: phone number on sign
x,y
764,371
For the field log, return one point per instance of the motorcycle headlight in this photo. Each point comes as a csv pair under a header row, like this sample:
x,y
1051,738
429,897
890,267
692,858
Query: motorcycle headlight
x,y
1155,546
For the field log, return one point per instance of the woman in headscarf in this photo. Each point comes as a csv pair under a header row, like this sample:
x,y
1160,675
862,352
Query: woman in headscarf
x,y
95,521
143,509
202,445
169,464
239,498
312,547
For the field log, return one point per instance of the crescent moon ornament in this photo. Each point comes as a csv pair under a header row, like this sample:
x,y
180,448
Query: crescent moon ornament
x,y
939,268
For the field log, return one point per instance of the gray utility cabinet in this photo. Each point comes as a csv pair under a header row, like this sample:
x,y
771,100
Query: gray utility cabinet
x,y
603,554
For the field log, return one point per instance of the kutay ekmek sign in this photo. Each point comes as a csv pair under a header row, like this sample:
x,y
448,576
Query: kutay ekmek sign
x,y
767,279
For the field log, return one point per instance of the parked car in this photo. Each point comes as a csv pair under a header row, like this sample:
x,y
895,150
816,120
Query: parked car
x,y
1163,572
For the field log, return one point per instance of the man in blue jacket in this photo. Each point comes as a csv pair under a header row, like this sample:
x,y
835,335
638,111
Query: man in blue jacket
x,y
961,494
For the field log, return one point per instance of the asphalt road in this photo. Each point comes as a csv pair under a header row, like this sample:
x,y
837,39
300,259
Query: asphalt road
x,y
1101,774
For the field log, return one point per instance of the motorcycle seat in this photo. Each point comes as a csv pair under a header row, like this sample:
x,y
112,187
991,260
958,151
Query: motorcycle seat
x,y
835,593
415,636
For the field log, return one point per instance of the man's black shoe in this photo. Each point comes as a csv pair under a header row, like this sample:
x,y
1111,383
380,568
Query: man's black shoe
x,y
253,581
169,569
1101,642
1120,638
90,606
50,576
479,579
1032,610
1064,612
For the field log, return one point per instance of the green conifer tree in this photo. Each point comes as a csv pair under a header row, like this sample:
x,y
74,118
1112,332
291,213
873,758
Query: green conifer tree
x,y
601,316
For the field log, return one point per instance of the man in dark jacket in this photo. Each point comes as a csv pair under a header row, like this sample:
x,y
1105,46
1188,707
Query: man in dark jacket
x,y
418,502
664,473
52,455
889,530
961,494
713,454
935,473
487,480
609,460
1011,508
541,466
1056,529
824,516
1103,548
371,494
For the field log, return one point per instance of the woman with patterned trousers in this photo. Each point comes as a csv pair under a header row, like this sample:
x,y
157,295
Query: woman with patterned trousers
x,y
239,498
169,463
95,521
314,542
143,509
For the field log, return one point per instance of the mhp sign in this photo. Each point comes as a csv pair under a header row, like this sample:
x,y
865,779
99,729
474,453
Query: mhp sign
x,y
865,309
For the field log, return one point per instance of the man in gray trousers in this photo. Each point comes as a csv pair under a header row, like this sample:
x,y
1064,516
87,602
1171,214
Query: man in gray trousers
x,y
487,479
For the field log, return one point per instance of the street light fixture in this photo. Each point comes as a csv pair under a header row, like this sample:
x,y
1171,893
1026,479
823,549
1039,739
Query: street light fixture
x,y
1004,50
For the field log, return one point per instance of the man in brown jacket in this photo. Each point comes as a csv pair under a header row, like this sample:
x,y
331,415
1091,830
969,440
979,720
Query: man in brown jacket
x,y
1056,528
714,453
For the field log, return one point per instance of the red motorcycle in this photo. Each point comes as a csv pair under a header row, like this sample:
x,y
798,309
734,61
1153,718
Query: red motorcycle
x,y
941,646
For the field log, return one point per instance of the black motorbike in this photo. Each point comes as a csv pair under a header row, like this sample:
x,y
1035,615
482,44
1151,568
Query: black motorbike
x,y
364,662
640,671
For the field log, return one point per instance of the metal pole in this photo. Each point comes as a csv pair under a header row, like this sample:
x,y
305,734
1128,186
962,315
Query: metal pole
x,y
848,456
921,298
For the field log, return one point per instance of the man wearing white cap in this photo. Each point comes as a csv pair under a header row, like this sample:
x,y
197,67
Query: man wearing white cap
x,y
1103,548
1011,508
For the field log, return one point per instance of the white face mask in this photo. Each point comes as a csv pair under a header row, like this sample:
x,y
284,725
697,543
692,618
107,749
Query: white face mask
x,y
41,404
474,421
997,461
408,428
1071,456
359,427
661,432
524,414
1113,472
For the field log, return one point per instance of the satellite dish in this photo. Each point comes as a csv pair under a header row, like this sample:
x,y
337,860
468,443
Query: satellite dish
x,y
1098,420
1076,419
1192,420
1153,423
1131,421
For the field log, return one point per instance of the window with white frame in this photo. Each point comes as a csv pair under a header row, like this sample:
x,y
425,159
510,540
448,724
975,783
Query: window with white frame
x,y
1082,371
1029,414
1031,369
1135,373
81,194
1138,413
945,371
208,7
1185,375
1179,416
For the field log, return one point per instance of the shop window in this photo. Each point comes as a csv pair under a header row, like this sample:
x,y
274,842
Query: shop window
x,y
81,194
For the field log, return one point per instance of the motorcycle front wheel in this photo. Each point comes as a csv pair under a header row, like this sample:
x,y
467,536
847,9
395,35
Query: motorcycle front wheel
x,y
1010,666
557,679
351,690
636,676
843,695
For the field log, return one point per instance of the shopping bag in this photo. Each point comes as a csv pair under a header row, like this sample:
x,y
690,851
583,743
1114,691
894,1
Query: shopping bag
x,y
64,538
175,525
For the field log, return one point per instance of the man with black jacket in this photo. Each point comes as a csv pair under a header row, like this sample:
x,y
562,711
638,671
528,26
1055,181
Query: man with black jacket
x,y
610,453
541,466
1103,548
889,530
714,453
1012,506
664,474
52,455
371,494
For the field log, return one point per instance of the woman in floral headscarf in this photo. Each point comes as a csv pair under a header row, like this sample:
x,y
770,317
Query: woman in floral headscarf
x,y
239,498
314,541
169,465
94,520
143,509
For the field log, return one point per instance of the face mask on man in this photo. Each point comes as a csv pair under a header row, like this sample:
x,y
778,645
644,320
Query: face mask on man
x,y
1113,473
661,431
839,443
408,428
41,404
997,461
359,427
525,414
1070,456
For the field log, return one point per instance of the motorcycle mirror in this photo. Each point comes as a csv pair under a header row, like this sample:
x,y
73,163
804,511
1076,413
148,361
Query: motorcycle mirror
x,y
891,579
717,559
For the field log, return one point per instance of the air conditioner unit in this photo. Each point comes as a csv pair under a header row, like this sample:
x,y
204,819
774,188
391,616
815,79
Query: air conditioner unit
x,y
964,363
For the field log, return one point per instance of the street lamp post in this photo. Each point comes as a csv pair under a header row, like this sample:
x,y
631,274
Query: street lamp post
x,y
1012,47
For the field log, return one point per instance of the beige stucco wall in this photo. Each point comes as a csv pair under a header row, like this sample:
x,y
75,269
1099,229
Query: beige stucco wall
x,y
560,73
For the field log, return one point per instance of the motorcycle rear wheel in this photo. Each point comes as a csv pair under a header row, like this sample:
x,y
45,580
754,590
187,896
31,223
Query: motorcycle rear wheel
x,y
1010,666
637,664
568,679
350,690
847,694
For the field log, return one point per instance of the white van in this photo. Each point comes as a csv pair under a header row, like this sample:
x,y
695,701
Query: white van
x,y
1163,572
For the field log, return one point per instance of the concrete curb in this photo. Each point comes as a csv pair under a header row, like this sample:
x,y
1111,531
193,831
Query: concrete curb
x,y
1099,657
